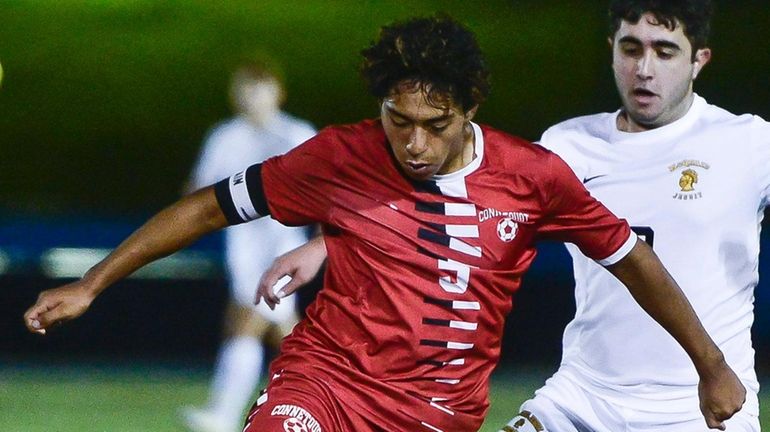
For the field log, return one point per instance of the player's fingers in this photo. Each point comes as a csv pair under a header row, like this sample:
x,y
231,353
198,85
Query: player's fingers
x,y
49,318
34,326
264,293
32,317
713,423
258,293
293,285
268,280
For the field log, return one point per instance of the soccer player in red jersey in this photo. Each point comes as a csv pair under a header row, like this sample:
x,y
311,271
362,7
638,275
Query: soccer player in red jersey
x,y
430,221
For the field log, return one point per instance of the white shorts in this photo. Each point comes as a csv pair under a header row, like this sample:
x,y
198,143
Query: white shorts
x,y
563,406
250,251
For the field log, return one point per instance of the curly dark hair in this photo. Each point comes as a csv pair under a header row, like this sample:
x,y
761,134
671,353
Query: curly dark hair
x,y
694,15
436,53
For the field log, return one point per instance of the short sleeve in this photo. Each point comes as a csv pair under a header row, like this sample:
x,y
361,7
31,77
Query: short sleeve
x,y
556,140
299,186
760,142
574,216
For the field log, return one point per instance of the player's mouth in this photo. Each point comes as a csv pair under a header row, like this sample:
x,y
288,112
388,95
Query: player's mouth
x,y
643,96
420,169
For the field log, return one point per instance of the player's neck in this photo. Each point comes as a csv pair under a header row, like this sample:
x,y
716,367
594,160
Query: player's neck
x,y
469,147
262,119
626,123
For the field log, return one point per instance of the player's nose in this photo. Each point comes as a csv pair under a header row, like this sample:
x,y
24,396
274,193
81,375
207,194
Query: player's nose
x,y
418,142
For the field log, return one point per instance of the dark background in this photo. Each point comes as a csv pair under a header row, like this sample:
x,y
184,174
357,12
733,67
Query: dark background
x,y
104,104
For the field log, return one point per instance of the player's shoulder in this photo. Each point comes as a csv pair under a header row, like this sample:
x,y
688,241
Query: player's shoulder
x,y
513,153
741,129
716,116
498,141
291,121
363,140
576,129
355,134
227,130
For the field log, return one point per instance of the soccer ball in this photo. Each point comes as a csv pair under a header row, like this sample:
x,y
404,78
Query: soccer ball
x,y
507,229
294,425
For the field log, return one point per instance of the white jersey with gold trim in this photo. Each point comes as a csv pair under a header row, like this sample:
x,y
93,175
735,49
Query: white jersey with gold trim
x,y
695,190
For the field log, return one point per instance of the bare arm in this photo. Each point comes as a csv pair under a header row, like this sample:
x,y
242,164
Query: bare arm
x,y
301,264
170,230
721,393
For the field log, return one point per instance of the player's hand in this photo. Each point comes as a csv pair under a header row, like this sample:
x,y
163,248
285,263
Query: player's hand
x,y
58,305
301,265
721,395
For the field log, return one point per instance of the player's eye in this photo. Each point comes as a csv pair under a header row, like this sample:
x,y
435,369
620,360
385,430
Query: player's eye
x,y
439,128
631,50
665,55
398,122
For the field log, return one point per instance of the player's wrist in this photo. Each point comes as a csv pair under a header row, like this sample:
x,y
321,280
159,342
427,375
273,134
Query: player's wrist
x,y
92,283
711,363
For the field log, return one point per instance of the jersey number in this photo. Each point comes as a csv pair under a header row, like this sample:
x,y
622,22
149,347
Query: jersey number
x,y
645,233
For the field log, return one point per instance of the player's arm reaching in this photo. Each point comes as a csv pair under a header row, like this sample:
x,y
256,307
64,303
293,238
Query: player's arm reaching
x,y
301,264
298,184
172,229
721,392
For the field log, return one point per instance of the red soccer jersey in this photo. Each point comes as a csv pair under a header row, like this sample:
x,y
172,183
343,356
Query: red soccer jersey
x,y
407,327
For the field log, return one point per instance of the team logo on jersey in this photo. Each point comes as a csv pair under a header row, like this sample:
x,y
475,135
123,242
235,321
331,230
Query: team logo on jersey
x,y
294,425
507,229
689,172
299,420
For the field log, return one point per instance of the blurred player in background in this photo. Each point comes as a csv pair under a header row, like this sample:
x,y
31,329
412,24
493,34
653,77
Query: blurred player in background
x,y
430,221
260,130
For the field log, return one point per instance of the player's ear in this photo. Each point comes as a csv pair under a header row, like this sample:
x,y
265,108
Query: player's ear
x,y
702,56
471,113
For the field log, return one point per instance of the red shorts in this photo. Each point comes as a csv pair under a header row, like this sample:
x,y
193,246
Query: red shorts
x,y
296,403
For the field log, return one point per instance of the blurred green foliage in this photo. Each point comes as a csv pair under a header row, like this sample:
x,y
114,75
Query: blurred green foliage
x,y
105,102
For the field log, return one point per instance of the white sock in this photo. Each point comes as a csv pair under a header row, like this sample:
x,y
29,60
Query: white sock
x,y
236,376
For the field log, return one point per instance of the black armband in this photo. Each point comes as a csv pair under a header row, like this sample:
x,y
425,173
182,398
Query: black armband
x,y
242,197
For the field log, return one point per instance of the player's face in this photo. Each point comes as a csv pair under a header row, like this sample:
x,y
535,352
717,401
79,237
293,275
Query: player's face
x,y
259,100
426,139
654,72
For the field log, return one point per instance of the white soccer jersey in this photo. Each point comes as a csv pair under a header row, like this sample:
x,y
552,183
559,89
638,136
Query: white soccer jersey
x,y
696,190
233,146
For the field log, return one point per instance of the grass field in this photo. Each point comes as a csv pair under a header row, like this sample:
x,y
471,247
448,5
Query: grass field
x,y
124,399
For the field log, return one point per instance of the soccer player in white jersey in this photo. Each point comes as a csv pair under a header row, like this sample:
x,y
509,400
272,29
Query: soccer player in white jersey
x,y
693,180
260,130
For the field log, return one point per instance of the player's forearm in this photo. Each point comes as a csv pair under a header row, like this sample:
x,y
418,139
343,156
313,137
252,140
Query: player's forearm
x,y
660,296
172,229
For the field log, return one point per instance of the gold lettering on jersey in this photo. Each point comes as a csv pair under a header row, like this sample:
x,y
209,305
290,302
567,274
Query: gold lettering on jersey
x,y
491,213
688,163
688,178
